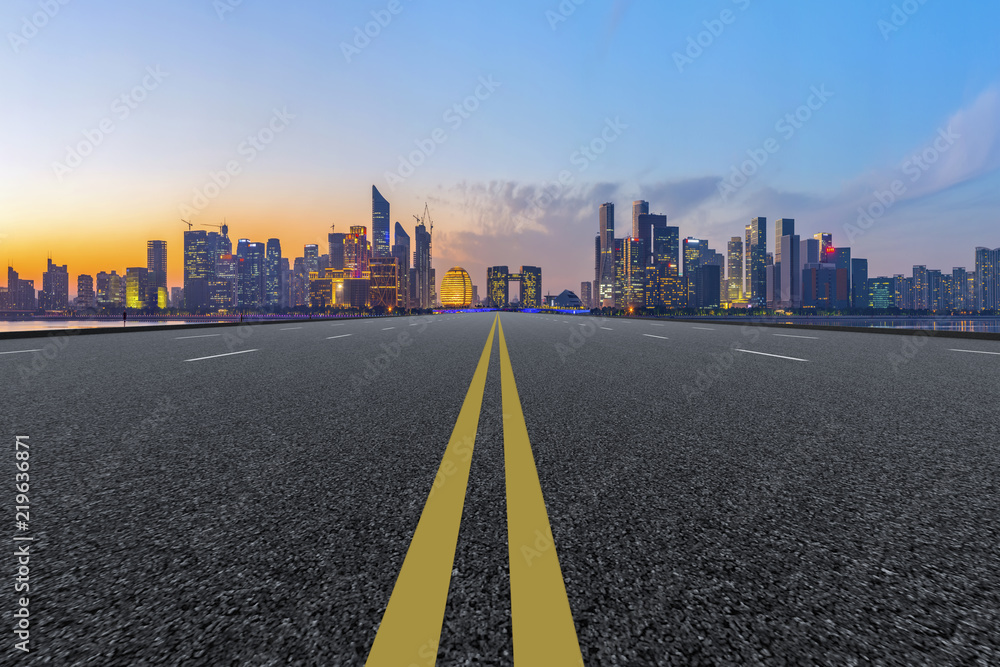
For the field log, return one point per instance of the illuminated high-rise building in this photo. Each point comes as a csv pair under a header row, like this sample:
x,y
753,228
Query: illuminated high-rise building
x,y
85,296
782,227
222,288
655,235
421,283
456,289
272,274
757,257
988,279
108,290
136,287
250,276
356,253
881,294
55,287
665,243
694,249
401,251
606,271
300,283
156,265
639,208
633,278
920,291
960,293
746,263
735,266
198,268
286,284
825,245
585,293
310,255
497,286
380,225
383,283
530,287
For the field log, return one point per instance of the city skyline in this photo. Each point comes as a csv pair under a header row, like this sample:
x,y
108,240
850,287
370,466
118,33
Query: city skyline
x,y
819,140
650,267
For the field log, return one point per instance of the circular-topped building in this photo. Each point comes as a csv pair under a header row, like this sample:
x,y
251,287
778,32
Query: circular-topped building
x,y
456,288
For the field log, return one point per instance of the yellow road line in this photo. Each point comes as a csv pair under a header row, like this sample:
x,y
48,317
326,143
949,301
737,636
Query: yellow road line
x,y
411,626
542,621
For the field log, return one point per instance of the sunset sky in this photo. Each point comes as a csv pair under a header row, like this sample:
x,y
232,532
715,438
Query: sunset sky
x,y
667,120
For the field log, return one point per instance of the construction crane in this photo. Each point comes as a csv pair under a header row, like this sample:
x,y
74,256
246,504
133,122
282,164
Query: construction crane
x,y
223,227
188,223
427,222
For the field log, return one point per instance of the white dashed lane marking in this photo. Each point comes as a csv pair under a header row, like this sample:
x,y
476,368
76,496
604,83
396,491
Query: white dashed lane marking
x,y
776,356
216,356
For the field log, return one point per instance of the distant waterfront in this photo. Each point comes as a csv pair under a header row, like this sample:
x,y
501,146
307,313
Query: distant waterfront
x,y
63,323
958,323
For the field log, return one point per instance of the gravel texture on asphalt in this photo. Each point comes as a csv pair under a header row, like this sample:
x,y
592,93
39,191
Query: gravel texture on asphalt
x,y
709,506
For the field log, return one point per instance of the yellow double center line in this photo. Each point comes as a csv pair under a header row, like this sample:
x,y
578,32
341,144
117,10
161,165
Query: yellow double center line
x,y
543,628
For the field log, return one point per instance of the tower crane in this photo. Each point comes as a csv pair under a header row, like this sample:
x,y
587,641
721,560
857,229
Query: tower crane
x,y
188,223
224,228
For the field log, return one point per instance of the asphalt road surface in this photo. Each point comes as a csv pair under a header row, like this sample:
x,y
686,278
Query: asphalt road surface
x,y
715,494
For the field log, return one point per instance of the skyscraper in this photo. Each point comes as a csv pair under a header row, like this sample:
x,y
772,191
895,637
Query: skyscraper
x,y
585,293
380,225
746,263
735,282
85,297
881,293
789,278
694,249
103,289
55,287
383,283
300,283
272,274
422,267
959,292
310,254
497,284
638,208
336,243
860,286
782,227
665,248
920,291
222,288
198,268
758,262
988,279
401,251
606,271
531,286
356,251
250,276
156,265
632,270
649,225
136,287
825,245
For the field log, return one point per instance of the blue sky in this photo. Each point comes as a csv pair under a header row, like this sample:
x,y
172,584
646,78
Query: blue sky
x,y
555,86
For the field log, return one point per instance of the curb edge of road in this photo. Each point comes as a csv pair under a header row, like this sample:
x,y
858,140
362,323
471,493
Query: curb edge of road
x,y
936,333
88,331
